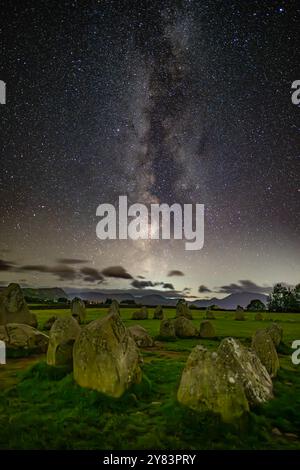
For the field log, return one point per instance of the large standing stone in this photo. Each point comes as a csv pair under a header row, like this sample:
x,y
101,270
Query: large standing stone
x,y
207,330
276,333
114,307
141,336
13,307
141,314
182,310
48,324
184,328
209,384
106,357
167,329
23,339
264,347
158,313
78,309
63,334
248,369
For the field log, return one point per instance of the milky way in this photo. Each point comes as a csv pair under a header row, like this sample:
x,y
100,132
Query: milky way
x,y
162,101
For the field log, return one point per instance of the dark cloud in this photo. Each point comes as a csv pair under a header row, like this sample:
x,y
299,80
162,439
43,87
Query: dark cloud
x,y
187,289
141,277
167,285
39,268
91,274
145,284
117,272
5,265
63,272
175,272
244,286
142,284
72,261
202,289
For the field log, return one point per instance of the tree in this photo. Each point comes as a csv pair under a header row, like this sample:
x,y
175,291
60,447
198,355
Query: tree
x,y
256,305
284,299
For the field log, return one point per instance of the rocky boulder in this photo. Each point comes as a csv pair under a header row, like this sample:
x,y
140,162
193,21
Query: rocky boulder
x,y
276,333
63,334
21,339
184,328
114,307
248,369
141,314
13,307
167,329
48,324
78,310
209,315
207,330
158,313
207,383
239,315
263,346
182,310
141,336
106,357
259,317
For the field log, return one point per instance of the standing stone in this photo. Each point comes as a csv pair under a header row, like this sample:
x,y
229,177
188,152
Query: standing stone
x,y
78,309
276,333
141,336
209,315
114,307
106,357
23,339
248,369
140,314
207,330
209,384
158,313
182,310
239,314
48,324
63,334
263,346
184,328
13,307
258,317
167,329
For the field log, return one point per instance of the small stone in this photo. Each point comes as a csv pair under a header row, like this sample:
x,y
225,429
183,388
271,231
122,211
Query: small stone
x,y
276,432
140,314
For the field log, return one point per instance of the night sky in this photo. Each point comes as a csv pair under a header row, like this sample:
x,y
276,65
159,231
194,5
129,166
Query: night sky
x,y
162,101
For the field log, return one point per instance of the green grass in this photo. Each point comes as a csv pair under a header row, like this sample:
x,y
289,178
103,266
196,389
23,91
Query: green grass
x,y
42,408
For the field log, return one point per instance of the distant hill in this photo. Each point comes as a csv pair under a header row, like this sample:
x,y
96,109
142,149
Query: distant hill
x,y
96,296
50,293
232,301
46,293
155,299
151,299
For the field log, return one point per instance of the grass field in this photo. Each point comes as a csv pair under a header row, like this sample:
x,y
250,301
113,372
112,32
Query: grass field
x,y
42,408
